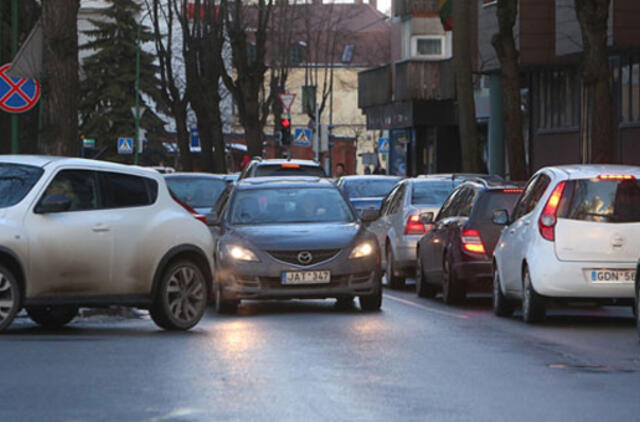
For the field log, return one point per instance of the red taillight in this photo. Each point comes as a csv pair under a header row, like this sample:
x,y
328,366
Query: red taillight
x,y
548,218
414,226
512,190
190,210
290,166
616,177
471,241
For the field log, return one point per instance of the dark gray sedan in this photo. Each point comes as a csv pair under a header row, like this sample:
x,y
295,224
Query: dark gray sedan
x,y
288,238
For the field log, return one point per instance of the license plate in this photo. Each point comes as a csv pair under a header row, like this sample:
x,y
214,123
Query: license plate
x,y
606,276
306,277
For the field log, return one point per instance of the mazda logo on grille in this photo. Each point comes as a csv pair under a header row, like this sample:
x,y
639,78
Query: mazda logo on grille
x,y
305,257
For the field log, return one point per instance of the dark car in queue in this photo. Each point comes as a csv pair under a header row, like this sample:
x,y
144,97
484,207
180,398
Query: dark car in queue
x,y
198,190
455,253
259,167
637,303
293,238
367,191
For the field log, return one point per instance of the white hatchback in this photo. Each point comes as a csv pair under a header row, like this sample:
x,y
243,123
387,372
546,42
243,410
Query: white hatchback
x,y
79,232
574,235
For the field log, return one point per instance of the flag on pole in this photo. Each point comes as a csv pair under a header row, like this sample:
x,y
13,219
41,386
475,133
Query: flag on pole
x,y
446,15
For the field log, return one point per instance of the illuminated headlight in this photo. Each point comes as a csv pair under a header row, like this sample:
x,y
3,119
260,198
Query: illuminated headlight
x,y
238,253
362,250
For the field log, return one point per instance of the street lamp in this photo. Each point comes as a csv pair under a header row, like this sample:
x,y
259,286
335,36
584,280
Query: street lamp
x,y
137,107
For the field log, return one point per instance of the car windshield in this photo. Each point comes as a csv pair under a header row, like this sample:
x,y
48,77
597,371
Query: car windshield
x,y
289,206
197,192
16,180
606,201
289,170
369,188
430,192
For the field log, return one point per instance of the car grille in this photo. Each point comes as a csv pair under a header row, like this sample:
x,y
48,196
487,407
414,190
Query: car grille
x,y
291,257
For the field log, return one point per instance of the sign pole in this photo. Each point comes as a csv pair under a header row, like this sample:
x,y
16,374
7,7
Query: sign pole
x,y
14,51
137,134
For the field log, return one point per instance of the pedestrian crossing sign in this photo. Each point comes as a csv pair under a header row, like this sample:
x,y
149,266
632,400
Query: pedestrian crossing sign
x,y
125,146
302,138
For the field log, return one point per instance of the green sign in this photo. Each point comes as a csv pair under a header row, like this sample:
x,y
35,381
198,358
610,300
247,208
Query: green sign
x,y
89,143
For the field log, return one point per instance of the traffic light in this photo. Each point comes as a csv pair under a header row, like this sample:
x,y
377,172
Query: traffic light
x,y
286,131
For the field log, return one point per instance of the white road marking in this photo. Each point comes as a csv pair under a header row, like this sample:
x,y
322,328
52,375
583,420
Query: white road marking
x,y
426,308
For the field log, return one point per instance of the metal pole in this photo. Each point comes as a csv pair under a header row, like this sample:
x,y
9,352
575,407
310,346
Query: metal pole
x,y
14,51
316,138
137,134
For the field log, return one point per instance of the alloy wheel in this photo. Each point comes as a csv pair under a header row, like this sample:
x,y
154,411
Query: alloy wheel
x,y
7,298
185,294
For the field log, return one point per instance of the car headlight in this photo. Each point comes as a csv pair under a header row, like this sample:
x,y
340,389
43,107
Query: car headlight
x,y
238,253
364,249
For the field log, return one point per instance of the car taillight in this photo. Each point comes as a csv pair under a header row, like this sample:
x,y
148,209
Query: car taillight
x,y
190,210
471,241
290,166
548,218
616,177
512,190
414,226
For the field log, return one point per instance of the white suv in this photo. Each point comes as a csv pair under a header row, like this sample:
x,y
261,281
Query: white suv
x,y
574,235
90,233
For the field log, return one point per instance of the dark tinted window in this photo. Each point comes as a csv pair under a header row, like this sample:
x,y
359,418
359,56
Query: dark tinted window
x,y
606,201
288,170
198,192
125,190
491,201
368,188
449,206
531,195
16,180
430,192
466,201
81,186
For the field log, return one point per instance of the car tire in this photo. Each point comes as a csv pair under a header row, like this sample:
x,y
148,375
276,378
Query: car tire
x,y
453,290
223,306
181,299
10,297
502,306
373,301
533,305
394,281
423,288
52,317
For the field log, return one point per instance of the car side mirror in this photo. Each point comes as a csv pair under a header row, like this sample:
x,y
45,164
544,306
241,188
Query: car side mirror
x,y
213,219
53,203
426,218
369,214
500,217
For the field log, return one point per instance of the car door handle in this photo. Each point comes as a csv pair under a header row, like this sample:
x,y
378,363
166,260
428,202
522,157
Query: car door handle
x,y
100,228
526,222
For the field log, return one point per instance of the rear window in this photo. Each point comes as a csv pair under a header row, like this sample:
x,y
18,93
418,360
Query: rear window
x,y
369,188
198,192
605,201
430,192
289,170
491,201
16,180
125,190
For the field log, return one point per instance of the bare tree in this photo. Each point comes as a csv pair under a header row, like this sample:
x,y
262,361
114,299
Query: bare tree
x,y
597,128
172,81
464,86
60,78
247,27
505,46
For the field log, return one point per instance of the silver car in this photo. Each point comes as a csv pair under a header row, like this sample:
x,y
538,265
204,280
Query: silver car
x,y
400,227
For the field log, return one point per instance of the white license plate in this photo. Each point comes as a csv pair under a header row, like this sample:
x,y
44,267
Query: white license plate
x,y
306,277
606,276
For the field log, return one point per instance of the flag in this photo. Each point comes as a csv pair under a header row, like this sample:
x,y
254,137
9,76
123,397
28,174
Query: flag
x,y
446,15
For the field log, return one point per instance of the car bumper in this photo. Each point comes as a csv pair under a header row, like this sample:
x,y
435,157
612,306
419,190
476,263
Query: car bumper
x,y
478,275
405,255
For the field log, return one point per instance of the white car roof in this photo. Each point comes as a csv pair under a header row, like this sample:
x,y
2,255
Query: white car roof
x,y
44,160
582,171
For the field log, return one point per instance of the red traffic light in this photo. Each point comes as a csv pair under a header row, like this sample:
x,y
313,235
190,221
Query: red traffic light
x,y
285,123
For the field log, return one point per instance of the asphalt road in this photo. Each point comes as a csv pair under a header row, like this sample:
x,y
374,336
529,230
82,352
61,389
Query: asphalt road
x,y
309,361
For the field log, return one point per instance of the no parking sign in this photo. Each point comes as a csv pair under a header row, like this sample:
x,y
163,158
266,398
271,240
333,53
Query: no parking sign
x,y
17,95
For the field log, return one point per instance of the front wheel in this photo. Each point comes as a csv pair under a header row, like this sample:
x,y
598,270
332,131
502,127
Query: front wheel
x,y
533,305
373,301
52,317
10,297
394,281
224,306
502,307
423,288
181,298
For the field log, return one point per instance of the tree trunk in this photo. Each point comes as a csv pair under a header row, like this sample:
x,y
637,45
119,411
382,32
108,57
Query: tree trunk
x,y
252,126
598,129
180,113
60,78
505,46
464,86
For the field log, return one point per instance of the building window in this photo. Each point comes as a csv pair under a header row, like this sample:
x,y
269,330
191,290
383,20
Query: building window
x,y
557,99
630,95
427,46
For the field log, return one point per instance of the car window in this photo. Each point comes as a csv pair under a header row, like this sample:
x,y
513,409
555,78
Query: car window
x,y
197,192
16,180
430,192
368,188
220,205
125,190
386,203
80,186
447,207
398,199
288,170
466,202
531,195
604,201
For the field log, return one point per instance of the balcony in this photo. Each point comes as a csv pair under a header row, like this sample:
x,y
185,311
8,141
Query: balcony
x,y
413,80
415,7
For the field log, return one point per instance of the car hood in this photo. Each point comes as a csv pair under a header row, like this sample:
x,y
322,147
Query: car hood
x,y
364,203
284,237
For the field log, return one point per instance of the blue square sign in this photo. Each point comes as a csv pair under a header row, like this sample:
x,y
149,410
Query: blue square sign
x,y
125,145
